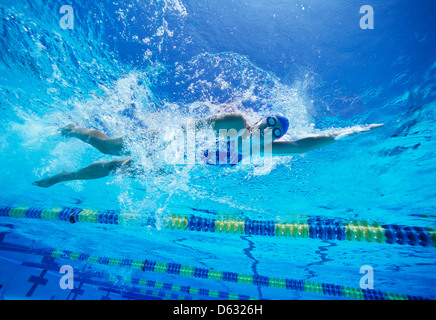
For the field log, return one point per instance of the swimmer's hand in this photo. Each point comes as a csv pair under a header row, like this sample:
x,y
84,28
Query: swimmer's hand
x,y
356,129
68,130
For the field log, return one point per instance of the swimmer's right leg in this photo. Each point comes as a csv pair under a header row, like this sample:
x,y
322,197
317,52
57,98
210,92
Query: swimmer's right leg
x,y
94,171
95,138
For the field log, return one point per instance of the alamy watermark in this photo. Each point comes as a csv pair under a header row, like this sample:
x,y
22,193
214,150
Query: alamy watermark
x,y
367,21
367,281
66,281
255,149
67,20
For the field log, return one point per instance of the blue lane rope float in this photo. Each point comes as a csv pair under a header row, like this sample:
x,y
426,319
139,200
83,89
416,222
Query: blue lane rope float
x,y
309,227
216,275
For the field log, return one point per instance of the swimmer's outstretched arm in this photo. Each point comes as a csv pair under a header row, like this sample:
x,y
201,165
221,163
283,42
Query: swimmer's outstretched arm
x,y
283,148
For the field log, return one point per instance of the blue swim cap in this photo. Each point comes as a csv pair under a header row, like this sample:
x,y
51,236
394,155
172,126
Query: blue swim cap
x,y
285,124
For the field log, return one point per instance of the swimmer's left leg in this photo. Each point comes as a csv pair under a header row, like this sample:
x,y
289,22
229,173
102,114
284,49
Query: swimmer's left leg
x,y
95,138
94,171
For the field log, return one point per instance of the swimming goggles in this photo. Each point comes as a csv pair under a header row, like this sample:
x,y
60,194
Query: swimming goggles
x,y
272,122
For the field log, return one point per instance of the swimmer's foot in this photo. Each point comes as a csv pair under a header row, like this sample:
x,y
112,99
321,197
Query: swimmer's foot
x,y
48,182
69,130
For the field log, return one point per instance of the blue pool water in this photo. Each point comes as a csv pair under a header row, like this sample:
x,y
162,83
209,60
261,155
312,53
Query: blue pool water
x,y
132,65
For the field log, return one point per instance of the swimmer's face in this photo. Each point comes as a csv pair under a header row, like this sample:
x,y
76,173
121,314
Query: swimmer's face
x,y
271,123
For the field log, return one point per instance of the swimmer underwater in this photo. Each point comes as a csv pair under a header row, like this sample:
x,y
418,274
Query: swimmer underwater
x,y
275,124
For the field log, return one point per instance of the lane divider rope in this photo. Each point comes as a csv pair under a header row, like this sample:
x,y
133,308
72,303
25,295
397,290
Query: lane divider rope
x,y
309,227
216,275
127,284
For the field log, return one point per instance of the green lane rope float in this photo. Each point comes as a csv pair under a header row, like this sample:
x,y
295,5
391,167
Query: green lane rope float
x,y
309,227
